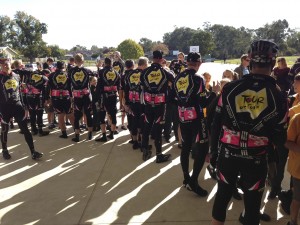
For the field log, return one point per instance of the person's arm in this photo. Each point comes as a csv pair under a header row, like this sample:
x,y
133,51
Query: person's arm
x,y
292,146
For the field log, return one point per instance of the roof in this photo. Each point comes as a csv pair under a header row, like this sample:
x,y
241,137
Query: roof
x,y
6,48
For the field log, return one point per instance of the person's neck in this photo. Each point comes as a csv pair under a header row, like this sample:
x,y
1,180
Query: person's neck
x,y
263,71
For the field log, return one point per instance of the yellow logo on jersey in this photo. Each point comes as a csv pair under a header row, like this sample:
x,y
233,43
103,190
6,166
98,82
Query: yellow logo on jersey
x,y
251,101
36,77
182,68
155,77
61,78
182,84
110,75
79,76
11,84
135,78
117,68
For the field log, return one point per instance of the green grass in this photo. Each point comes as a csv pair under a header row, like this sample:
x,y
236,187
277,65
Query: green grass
x,y
289,59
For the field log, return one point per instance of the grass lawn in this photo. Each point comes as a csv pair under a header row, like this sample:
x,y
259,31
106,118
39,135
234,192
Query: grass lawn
x,y
289,59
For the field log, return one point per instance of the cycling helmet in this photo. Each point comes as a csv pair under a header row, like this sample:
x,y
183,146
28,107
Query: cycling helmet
x,y
263,51
194,57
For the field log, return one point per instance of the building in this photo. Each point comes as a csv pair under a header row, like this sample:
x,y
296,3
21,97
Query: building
x,y
8,52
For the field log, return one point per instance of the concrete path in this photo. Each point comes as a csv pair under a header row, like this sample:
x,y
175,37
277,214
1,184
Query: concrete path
x,y
95,183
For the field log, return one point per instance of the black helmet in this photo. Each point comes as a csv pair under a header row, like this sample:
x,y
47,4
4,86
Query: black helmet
x,y
263,51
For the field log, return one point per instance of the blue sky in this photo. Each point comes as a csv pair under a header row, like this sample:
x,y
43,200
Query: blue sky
x,y
108,23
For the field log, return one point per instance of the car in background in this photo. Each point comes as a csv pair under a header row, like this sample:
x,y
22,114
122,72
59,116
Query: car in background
x,y
31,66
207,58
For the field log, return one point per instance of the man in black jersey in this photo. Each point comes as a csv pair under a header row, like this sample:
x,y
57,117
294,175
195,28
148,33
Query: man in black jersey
x,y
11,106
154,81
79,78
250,114
191,95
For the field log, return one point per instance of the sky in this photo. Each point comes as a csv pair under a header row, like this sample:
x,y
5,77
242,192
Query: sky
x,y
108,23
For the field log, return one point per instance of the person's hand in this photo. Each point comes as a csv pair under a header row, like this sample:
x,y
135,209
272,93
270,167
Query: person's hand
x,y
216,87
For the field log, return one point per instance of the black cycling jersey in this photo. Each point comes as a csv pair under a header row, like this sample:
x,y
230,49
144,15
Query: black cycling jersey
x,y
79,77
9,88
250,114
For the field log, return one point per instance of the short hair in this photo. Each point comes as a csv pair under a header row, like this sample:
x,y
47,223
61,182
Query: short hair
x,y
143,61
297,76
244,56
49,60
78,58
206,74
92,78
71,59
129,63
16,64
60,65
181,53
107,61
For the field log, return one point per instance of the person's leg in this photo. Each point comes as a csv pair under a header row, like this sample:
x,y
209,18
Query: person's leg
x,y
276,182
4,132
39,114
168,123
148,123
295,205
19,114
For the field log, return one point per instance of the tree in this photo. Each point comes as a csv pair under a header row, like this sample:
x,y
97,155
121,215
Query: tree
x,y
147,44
278,31
56,52
6,31
130,49
29,33
162,47
179,38
204,40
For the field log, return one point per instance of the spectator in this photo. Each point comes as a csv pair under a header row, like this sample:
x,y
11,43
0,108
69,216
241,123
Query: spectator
x,y
243,68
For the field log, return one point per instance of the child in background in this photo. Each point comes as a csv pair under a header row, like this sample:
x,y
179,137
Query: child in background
x,y
293,144
96,122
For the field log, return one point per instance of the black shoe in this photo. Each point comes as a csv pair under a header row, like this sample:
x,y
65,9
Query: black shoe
x,y
75,139
90,135
51,126
273,194
236,195
6,155
162,158
82,126
111,136
179,146
264,217
43,133
195,187
21,132
212,172
167,139
34,131
63,136
123,127
131,142
36,155
186,180
116,132
286,198
136,145
102,139
12,126
146,154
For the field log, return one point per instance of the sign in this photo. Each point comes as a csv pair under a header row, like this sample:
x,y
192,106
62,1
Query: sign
x,y
175,52
194,48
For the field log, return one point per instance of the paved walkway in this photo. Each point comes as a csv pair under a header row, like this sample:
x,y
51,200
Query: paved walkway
x,y
95,183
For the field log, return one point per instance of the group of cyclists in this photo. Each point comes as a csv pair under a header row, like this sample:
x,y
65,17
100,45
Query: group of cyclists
x,y
241,126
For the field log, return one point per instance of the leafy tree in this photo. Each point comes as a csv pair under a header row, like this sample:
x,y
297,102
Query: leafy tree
x,y
147,44
29,31
6,31
277,31
130,49
293,42
179,39
202,39
162,47
56,51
